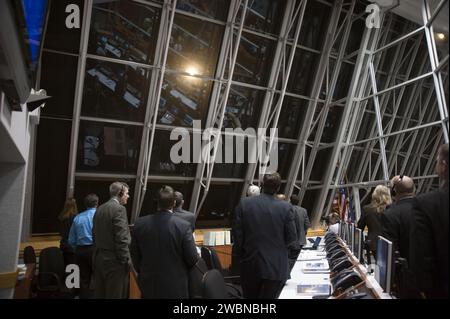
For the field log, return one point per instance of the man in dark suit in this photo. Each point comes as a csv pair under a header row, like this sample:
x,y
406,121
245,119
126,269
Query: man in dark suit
x,y
396,220
163,250
302,224
111,237
429,236
263,230
180,212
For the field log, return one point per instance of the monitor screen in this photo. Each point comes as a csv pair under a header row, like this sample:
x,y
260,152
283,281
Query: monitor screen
x,y
383,266
357,241
350,236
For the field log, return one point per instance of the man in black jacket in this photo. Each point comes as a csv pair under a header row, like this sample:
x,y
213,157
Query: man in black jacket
x,y
111,236
180,212
163,250
302,224
429,236
396,220
263,230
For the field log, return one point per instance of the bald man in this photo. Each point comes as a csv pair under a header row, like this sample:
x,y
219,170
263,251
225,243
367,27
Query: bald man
x,y
396,220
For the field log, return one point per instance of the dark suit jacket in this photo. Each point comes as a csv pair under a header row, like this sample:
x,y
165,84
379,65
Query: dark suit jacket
x,y
429,243
372,219
263,229
396,225
186,215
163,250
111,233
301,224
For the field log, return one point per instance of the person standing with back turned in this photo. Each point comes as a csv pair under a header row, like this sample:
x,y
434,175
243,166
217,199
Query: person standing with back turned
x,y
428,250
263,232
111,241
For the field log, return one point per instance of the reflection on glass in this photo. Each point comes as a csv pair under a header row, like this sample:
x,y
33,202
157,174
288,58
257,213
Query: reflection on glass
x,y
116,91
219,205
161,162
232,161
314,26
263,15
254,59
216,9
105,147
124,30
243,107
332,124
183,100
194,43
291,117
304,68
320,164
285,154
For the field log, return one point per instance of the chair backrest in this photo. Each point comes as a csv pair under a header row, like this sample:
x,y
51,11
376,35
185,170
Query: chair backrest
x,y
215,260
51,260
195,279
29,255
213,285
206,256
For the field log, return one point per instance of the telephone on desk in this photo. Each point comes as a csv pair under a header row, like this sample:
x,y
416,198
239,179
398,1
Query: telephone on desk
x,y
344,280
341,264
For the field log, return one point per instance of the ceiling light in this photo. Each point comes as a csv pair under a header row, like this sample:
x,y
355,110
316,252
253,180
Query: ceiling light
x,y
440,36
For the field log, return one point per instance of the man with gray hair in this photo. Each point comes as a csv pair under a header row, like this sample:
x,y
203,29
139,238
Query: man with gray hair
x,y
112,238
180,212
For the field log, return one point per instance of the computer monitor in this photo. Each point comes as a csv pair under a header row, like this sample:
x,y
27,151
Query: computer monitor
x,y
383,266
357,243
350,236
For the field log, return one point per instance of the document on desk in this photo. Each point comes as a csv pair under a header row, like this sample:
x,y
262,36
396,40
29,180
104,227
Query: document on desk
x,y
316,267
321,289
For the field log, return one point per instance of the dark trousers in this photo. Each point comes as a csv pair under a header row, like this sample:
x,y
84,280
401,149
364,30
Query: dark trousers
x,y
292,256
257,288
111,279
83,257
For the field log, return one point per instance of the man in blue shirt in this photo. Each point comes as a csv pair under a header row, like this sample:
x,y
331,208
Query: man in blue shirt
x,y
80,238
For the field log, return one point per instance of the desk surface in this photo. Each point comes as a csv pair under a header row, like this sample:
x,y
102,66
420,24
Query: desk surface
x,y
299,277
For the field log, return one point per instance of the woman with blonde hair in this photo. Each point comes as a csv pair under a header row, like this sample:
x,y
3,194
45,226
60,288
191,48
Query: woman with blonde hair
x,y
66,217
371,215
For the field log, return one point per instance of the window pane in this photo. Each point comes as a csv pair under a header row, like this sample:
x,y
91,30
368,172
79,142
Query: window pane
x,y
291,117
263,15
216,9
243,107
194,46
124,30
285,154
161,162
232,149
106,147
150,204
219,205
183,100
304,69
101,189
254,59
58,36
315,25
58,79
52,160
113,90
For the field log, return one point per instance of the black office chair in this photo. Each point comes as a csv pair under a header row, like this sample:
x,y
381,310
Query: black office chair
x,y
213,285
29,255
195,279
51,275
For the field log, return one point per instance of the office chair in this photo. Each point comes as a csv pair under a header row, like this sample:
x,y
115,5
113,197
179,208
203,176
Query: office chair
x,y
29,255
51,275
195,279
213,285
